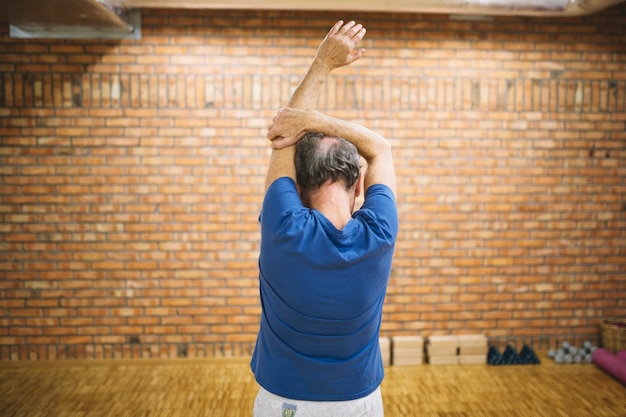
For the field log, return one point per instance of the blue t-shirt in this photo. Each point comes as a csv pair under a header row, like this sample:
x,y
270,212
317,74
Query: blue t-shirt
x,y
322,292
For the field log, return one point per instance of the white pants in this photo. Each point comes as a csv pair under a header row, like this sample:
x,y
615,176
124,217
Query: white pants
x,y
270,405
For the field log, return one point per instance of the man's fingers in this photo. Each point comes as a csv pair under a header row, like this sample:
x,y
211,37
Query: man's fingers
x,y
337,26
345,28
361,34
353,29
279,142
271,132
356,29
358,54
334,29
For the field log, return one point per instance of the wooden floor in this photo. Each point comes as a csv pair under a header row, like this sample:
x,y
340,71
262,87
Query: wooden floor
x,y
226,388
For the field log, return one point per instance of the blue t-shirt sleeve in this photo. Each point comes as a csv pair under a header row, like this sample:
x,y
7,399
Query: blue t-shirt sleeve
x,y
380,208
281,199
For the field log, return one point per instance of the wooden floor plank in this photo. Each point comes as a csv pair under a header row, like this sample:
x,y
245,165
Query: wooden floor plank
x,y
226,388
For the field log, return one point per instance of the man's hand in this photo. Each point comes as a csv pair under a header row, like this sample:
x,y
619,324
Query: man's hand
x,y
339,47
287,127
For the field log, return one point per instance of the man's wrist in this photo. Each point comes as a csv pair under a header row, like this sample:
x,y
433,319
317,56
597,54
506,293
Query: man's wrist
x,y
320,67
312,121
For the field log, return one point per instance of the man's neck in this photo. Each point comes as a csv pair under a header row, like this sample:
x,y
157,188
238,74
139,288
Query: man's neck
x,y
334,202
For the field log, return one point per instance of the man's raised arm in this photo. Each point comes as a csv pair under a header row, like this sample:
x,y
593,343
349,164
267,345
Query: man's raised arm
x,y
290,124
338,49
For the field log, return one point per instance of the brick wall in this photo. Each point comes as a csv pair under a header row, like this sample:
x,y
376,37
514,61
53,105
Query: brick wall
x,y
132,175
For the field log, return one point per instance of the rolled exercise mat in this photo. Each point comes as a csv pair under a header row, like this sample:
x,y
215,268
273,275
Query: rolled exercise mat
x,y
622,355
611,364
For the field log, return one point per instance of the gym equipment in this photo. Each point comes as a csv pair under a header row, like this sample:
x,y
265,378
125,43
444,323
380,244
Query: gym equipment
x,y
611,364
569,353
510,356
494,357
528,356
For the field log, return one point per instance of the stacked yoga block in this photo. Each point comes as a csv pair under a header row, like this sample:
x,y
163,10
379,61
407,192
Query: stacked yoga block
x,y
452,350
407,350
385,350
442,350
473,349
434,350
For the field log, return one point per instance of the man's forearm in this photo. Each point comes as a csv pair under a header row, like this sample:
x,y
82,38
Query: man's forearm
x,y
307,93
369,143
338,49
304,97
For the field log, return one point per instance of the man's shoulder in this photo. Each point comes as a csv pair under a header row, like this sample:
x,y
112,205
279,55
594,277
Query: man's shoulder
x,y
281,183
281,197
380,206
378,191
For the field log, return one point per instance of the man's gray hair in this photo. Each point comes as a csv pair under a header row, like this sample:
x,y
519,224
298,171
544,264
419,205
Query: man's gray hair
x,y
317,162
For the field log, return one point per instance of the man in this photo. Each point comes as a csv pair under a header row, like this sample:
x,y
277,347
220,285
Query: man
x,y
323,268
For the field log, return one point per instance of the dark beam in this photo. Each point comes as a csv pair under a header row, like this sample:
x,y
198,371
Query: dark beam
x,y
38,15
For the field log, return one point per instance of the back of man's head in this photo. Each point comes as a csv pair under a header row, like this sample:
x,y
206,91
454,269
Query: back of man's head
x,y
319,158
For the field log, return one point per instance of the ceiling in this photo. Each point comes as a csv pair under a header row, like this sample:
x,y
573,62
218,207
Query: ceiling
x,y
113,15
487,7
